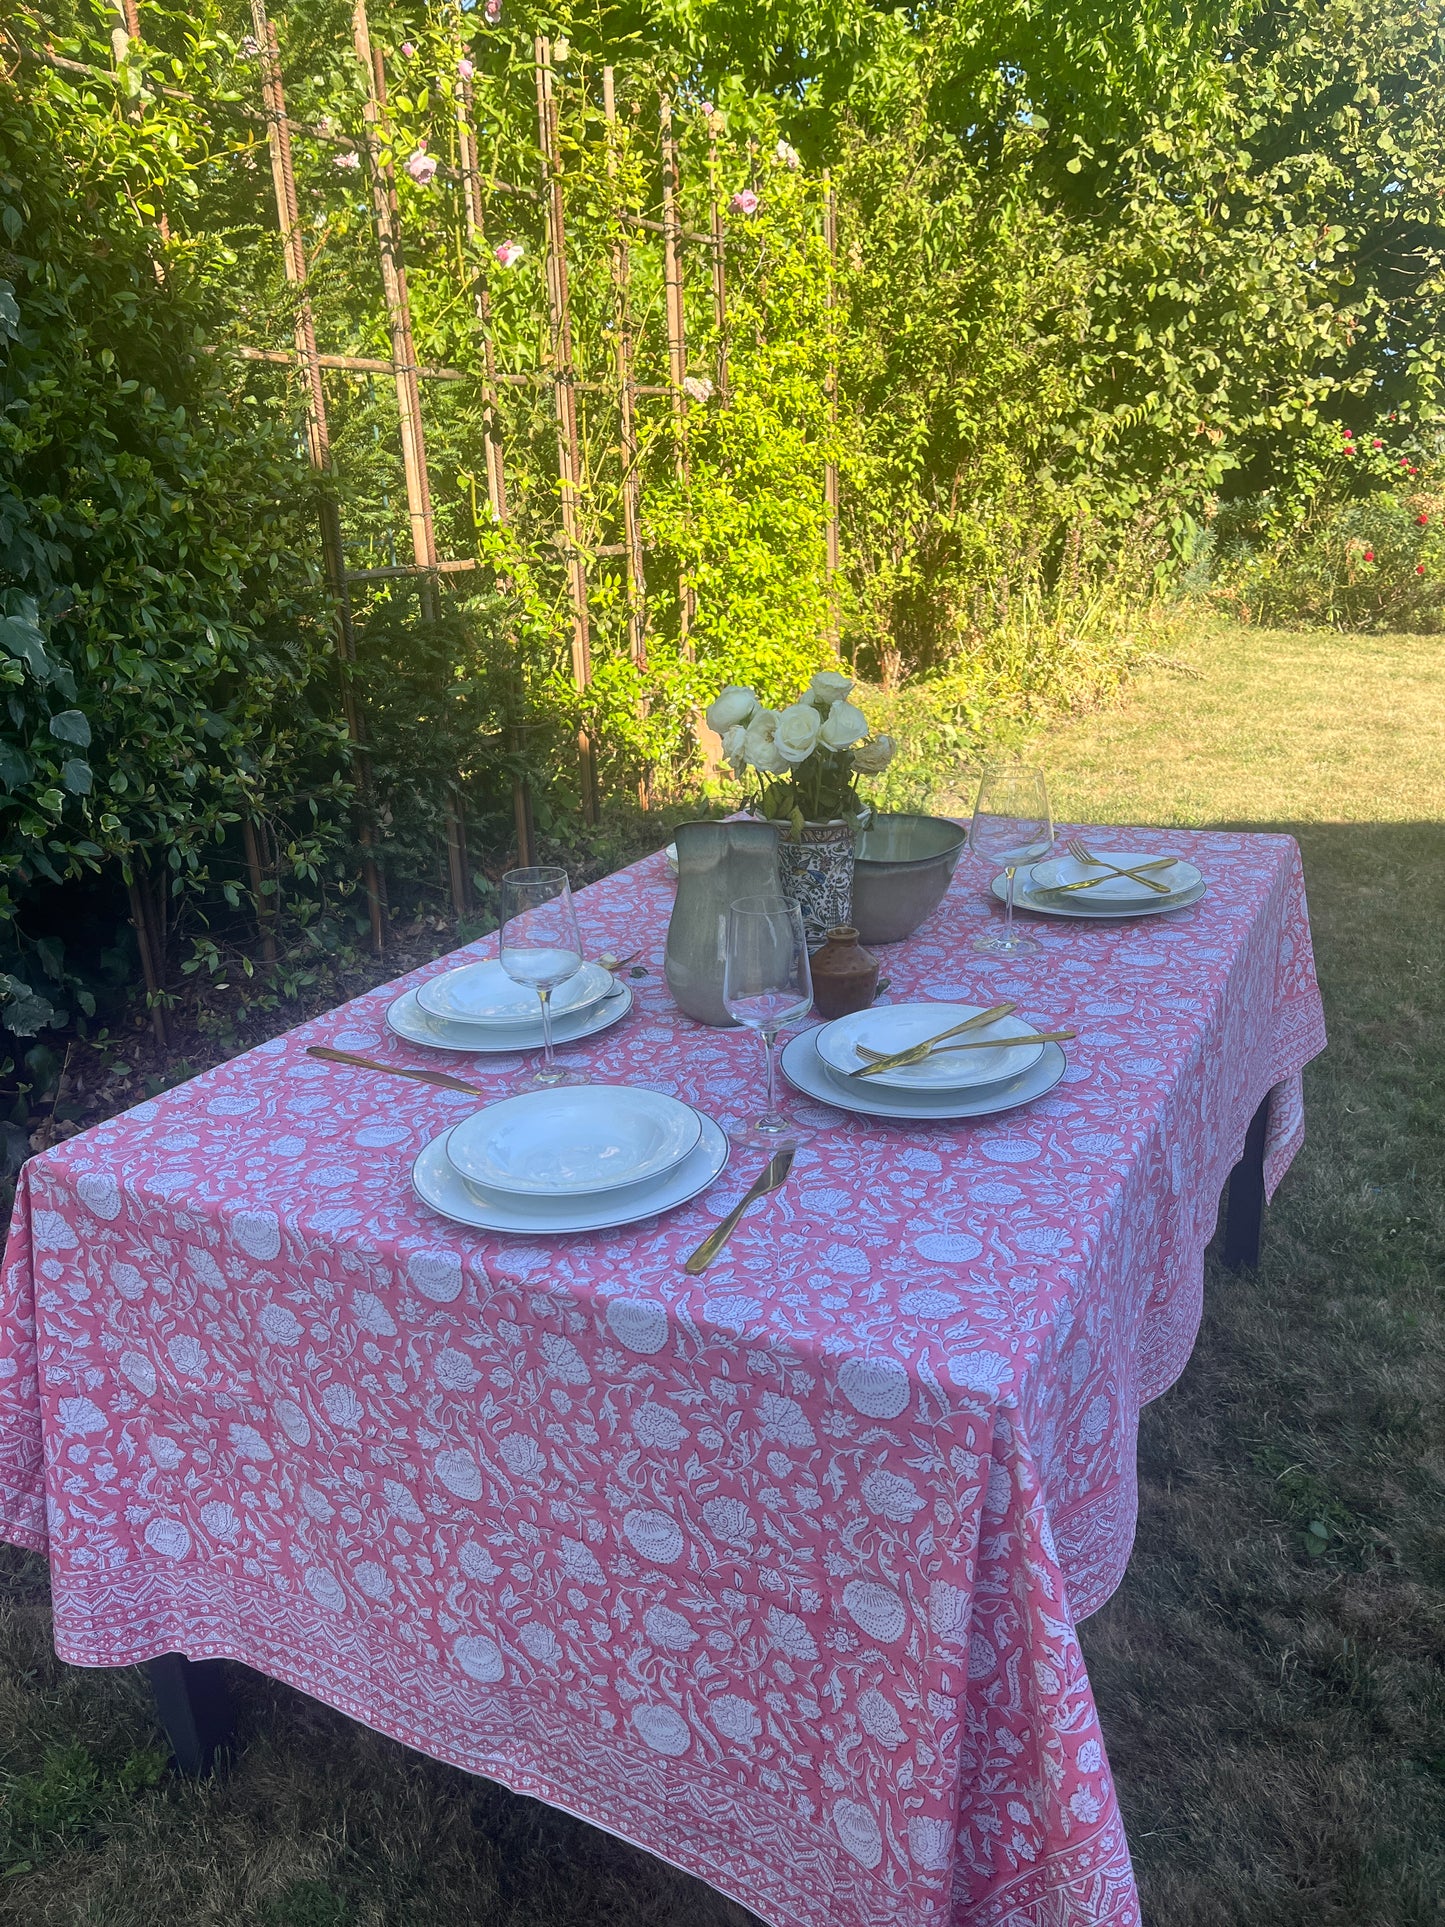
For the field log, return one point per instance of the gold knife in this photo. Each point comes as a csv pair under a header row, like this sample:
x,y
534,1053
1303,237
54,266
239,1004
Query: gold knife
x,y
772,1177
439,1078
972,1043
891,1059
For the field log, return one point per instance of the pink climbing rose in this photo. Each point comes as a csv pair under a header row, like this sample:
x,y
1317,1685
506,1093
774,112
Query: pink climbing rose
x,y
493,11
509,253
465,69
349,159
407,50
421,167
745,202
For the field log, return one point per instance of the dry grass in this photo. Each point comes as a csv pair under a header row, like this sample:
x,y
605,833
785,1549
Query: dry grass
x,y
1274,1695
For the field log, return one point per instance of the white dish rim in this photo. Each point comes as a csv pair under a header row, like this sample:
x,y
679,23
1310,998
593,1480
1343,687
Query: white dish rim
x,y
551,1189
898,1080
1023,900
986,1103
492,1040
713,1140
501,1023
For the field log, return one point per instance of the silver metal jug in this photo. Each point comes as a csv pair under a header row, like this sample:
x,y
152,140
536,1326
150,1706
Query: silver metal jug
x,y
716,864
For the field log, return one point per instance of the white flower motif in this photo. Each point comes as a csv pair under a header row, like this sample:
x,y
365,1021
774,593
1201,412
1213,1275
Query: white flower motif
x,y
876,1387
876,1608
220,1519
540,1643
480,1658
663,1728
140,1371
373,1580
790,1634
476,1562
454,1370
639,1324
281,1326
249,1444
581,1563
655,1535
880,1718
343,1407
81,1415
735,1718
668,1629
891,1495
293,1421
1090,1757
459,1472
784,1419
372,1315
658,1425
979,1371
859,1832
168,1537
1084,1806
187,1355
437,1274
401,1503
730,1521
565,1359
929,1842
523,1455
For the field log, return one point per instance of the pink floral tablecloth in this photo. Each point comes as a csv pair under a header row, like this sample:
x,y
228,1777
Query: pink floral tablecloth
x,y
774,1571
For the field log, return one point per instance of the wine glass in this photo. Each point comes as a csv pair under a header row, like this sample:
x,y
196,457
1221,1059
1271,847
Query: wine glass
x,y
767,982
1011,825
541,946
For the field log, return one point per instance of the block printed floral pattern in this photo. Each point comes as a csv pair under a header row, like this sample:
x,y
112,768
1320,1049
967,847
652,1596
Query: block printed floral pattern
x,y
775,1571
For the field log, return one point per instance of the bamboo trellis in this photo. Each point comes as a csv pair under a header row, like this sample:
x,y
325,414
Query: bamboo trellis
x,y
560,374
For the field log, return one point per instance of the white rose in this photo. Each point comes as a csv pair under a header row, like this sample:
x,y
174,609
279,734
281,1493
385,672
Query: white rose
x,y
843,725
735,747
827,688
870,758
798,730
733,705
760,745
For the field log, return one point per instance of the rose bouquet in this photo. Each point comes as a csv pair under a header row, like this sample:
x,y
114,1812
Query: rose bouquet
x,y
806,758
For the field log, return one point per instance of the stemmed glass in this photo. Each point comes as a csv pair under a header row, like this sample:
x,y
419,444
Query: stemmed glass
x,y
1011,825
541,946
767,982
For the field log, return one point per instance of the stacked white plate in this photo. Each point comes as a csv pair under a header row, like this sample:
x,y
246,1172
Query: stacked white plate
x,y
578,1158
480,1008
1040,887
823,1063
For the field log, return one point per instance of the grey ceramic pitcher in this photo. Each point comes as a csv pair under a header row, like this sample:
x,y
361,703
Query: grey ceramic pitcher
x,y
716,864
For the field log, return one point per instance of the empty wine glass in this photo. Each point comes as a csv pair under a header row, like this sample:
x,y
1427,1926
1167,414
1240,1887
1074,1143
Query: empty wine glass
x,y
767,982
1011,825
541,946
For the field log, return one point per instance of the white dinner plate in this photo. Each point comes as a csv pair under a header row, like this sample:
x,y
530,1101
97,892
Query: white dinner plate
x,y
1069,906
483,993
407,1019
1114,891
893,1027
574,1139
806,1071
438,1184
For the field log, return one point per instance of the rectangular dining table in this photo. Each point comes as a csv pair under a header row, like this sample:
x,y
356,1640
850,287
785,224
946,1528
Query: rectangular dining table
x,y
774,1571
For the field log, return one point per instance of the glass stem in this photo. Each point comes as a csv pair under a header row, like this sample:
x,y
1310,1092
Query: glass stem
x,y
545,997
767,1035
1008,910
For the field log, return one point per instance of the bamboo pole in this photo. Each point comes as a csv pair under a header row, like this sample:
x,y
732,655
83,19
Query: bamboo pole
x,y
719,273
631,474
318,442
386,212
830,468
565,403
676,349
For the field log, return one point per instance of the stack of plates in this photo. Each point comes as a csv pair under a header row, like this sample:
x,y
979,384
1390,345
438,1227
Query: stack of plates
x,y
1038,888
946,1084
480,1008
579,1158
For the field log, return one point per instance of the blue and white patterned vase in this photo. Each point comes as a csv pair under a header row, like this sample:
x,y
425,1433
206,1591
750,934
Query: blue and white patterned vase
x,y
815,867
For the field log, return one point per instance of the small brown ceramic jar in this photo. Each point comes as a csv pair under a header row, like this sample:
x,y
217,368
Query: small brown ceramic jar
x,y
845,975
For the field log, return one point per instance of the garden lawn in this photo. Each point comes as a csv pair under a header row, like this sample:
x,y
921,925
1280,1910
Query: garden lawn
x,y
1272,1672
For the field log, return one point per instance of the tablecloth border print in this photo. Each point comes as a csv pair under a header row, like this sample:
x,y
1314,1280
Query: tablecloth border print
x,y
1291,1029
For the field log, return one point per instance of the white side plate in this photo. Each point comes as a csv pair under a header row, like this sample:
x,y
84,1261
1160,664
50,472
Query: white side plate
x,y
807,1072
483,993
439,1185
1045,906
894,1027
407,1019
1117,892
576,1139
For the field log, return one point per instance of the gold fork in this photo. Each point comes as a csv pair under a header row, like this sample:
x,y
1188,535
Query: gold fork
x,y
1076,850
892,1060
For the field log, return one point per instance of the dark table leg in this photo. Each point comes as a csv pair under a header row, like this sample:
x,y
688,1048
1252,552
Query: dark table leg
x,y
194,1703
1244,1209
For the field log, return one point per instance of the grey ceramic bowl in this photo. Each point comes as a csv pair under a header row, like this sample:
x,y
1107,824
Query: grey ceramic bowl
x,y
902,867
